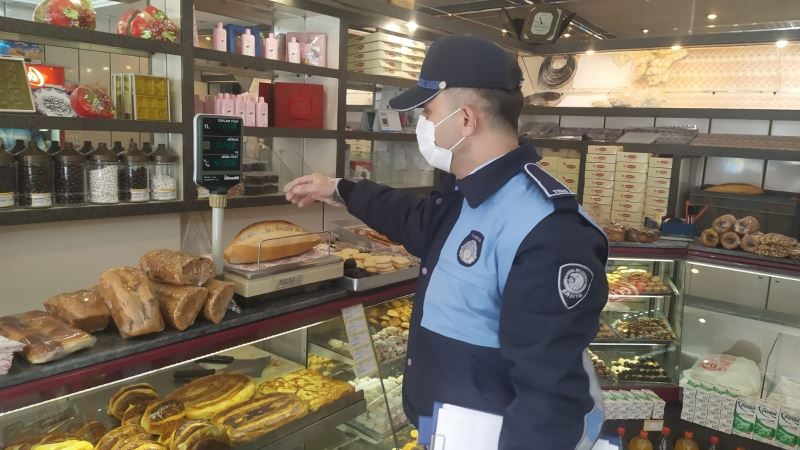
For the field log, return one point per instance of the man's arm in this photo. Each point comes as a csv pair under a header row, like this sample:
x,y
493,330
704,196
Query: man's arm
x,y
401,216
551,302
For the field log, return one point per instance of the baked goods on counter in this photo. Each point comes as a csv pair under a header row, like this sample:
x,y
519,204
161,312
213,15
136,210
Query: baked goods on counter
x,y
199,435
642,235
605,332
127,293
395,313
724,223
65,445
601,369
736,188
614,232
254,418
138,444
173,267
7,349
639,369
644,327
631,281
46,338
84,309
276,239
320,364
133,415
162,416
90,431
309,386
729,240
709,237
117,435
180,305
139,394
220,294
747,225
375,418
390,343
209,395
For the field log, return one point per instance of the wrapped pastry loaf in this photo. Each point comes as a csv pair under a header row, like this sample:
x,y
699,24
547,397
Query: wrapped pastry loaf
x,y
134,395
163,416
118,435
747,225
723,224
127,293
254,418
84,309
736,188
219,297
180,305
277,239
46,338
309,386
206,396
199,435
178,268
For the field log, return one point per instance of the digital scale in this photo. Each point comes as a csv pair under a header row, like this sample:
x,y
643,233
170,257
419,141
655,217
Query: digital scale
x,y
218,149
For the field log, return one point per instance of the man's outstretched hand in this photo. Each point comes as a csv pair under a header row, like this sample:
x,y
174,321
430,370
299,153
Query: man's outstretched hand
x,y
312,188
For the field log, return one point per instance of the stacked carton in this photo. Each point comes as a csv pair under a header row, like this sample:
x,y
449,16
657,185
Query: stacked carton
x,y
629,189
562,164
385,54
659,175
633,404
598,187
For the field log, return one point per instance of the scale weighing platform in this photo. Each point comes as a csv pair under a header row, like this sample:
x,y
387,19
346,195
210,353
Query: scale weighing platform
x,y
255,283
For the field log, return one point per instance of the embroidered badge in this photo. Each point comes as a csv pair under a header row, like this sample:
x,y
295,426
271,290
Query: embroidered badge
x,y
470,249
574,281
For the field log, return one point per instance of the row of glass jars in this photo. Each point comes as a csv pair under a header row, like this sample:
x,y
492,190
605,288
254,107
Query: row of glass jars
x,y
37,179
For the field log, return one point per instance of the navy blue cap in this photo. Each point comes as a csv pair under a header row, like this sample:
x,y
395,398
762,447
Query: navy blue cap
x,y
458,62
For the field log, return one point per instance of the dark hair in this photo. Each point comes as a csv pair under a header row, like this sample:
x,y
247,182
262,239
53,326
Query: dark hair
x,y
505,105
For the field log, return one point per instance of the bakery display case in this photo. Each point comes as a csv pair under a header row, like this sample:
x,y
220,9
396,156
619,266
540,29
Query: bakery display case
x,y
638,344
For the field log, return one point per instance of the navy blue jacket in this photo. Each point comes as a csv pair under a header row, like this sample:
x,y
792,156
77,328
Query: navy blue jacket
x,y
509,294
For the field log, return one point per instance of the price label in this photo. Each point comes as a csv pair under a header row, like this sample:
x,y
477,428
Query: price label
x,y
355,324
41,200
139,195
653,425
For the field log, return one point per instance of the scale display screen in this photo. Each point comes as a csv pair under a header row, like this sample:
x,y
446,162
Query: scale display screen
x,y
218,152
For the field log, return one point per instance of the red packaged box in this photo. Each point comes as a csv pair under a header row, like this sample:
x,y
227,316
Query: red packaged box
x,y
299,106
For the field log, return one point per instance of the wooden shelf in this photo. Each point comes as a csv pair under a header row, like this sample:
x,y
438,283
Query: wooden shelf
x,y
261,64
299,133
22,216
693,113
76,36
37,121
380,136
364,78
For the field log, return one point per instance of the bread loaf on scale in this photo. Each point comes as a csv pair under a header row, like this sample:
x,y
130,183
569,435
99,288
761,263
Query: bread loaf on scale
x,y
276,239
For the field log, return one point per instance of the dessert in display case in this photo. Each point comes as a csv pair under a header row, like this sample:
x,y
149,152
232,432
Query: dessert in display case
x,y
639,339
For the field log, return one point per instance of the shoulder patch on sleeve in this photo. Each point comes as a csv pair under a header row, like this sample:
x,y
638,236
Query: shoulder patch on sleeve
x,y
574,281
550,187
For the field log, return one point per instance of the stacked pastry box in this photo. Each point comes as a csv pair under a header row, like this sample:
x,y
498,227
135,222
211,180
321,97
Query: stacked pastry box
x,y
630,188
360,152
562,164
633,404
657,195
598,187
385,54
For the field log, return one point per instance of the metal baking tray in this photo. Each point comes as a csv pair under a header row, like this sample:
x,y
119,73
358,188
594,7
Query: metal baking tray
x,y
378,281
283,268
342,228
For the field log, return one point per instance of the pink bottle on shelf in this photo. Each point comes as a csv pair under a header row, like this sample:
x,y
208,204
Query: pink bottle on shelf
x,y
240,106
250,108
262,113
220,38
271,44
227,104
248,43
217,104
293,51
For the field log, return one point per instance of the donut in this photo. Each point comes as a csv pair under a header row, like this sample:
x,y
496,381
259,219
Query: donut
x,y
749,242
723,224
729,240
746,225
710,237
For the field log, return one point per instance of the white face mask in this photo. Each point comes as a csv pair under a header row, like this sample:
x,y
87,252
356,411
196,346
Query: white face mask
x,y
436,156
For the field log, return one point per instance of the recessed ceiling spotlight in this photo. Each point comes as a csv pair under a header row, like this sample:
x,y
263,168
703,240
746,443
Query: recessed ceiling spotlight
x,y
712,16
712,26
675,47
208,38
782,43
590,52
412,26
675,29
128,67
566,35
645,30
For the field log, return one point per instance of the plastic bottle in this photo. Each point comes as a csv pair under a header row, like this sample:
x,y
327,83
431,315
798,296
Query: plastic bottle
x,y
240,106
227,105
640,442
687,442
271,47
665,443
714,442
293,50
220,38
262,113
621,435
250,112
248,43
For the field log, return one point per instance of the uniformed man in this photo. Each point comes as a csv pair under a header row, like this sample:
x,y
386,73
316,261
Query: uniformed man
x,y
512,279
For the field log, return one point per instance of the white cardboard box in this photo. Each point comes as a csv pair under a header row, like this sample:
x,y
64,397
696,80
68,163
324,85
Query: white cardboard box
x,y
604,149
388,73
597,183
374,63
766,422
631,177
569,166
412,53
745,416
658,182
787,435
656,214
593,200
627,196
570,181
657,202
655,191
550,163
659,172
600,175
633,157
633,207
635,218
608,158
628,186
630,166
385,37
660,162
379,54
598,192
600,167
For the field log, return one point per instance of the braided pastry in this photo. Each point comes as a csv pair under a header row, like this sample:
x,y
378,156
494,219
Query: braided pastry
x,y
710,237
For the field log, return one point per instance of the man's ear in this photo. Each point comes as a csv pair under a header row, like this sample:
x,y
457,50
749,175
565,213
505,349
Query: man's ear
x,y
469,125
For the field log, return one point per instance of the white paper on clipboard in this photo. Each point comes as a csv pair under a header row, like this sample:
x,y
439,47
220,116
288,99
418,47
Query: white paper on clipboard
x,y
461,428
600,72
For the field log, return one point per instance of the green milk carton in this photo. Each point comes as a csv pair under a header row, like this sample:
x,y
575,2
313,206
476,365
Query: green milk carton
x,y
787,435
744,418
766,422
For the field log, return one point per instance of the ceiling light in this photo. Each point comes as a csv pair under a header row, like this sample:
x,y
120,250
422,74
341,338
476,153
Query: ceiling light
x,y
712,26
675,29
566,35
106,69
208,38
645,30
712,16
701,320
675,47
782,43
590,52
89,70
412,26
695,270
128,67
